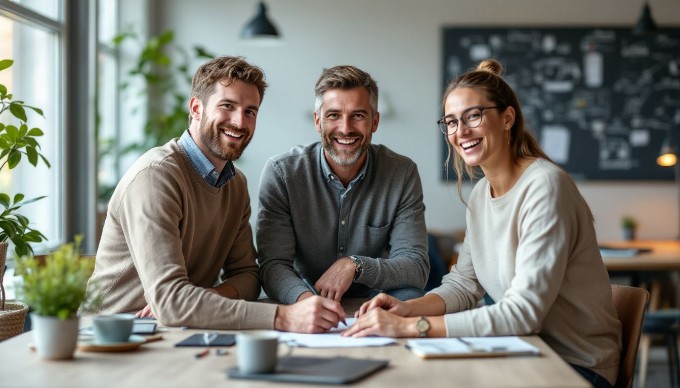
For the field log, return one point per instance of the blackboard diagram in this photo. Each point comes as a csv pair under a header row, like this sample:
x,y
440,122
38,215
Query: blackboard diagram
x,y
600,100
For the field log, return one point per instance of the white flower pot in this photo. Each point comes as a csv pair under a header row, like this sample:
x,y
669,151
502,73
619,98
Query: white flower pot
x,y
55,339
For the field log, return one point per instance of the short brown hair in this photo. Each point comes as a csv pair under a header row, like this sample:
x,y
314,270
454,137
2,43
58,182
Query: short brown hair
x,y
226,68
345,77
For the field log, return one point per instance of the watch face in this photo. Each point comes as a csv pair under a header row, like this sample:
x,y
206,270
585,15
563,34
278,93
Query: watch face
x,y
422,325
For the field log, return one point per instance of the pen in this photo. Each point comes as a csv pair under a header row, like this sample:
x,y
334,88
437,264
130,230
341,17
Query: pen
x,y
304,280
202,353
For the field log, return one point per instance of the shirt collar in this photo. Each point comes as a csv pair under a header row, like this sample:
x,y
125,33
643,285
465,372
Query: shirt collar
x,y
203,166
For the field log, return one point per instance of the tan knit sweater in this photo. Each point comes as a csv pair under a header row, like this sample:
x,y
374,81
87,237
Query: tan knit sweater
x,y
166,237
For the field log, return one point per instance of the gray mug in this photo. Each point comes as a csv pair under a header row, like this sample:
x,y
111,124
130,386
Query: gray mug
x,y
112,328
257,351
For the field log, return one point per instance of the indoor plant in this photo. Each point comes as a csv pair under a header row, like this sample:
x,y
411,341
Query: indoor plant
x,y
16,141
628,227
55,290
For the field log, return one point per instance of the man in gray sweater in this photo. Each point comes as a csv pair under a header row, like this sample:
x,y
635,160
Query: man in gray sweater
x,y
342,217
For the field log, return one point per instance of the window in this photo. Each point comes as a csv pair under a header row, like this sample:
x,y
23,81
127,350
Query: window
x,y
34,41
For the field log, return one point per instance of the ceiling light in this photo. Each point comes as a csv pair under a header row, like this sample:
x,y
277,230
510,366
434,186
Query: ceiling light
x,y
645,24
668,156
260,26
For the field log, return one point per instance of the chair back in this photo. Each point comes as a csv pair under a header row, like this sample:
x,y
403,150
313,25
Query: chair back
x,y
630,304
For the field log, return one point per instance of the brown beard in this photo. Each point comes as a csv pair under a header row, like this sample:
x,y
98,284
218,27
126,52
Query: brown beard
x,y
211,137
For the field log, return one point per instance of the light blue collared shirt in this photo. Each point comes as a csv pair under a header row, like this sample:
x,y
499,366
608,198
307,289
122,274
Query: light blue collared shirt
x,y
203,166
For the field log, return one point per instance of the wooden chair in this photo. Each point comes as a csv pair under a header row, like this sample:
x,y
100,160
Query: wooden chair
x,y
630,304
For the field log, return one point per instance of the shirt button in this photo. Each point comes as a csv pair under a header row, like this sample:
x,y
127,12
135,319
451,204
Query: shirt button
x,y
342,249
342,222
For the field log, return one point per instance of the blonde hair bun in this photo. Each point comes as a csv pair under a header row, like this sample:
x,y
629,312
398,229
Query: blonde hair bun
x,y
491,66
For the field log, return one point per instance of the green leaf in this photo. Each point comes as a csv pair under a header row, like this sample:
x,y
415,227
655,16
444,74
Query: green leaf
x,y
4,199
35,132
13,159
18,197
45,160
32,155
12,133
5,63
18,111
36,110
3,90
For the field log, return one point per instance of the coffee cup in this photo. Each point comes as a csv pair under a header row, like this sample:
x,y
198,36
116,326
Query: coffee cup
x,y
257,351
112,328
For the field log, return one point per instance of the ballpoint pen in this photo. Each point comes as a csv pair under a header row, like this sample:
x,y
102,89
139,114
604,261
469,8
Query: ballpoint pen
x,y
304,280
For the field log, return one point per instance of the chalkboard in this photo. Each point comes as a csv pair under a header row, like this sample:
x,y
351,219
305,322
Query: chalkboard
x,y
599,100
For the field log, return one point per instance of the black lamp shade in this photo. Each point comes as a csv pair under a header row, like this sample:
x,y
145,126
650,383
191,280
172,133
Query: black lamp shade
x,y
646,24
260,26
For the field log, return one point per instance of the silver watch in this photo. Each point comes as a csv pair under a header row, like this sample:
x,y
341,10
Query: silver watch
x,y
359,267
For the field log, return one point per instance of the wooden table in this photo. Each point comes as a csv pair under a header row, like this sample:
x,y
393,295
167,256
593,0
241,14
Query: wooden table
x,y
160,364
664,256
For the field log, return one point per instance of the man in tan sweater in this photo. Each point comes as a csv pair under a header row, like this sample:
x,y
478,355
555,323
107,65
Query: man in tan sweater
x,y
177,243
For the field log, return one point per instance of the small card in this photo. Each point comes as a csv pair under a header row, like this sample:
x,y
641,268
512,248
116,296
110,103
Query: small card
x,y
201,340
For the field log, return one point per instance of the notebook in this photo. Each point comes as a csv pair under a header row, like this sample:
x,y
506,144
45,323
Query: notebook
x,y
316,370
471,347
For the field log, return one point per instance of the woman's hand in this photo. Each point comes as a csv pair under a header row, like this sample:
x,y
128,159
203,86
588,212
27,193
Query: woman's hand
x,y
384,302
382,323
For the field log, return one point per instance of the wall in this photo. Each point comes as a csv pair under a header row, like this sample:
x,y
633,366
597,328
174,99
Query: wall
x,y
399,43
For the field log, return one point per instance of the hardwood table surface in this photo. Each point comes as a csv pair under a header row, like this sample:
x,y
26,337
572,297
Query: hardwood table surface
x,y
664,255
160,364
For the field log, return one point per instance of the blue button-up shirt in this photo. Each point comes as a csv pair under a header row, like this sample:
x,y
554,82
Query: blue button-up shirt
x,y
203,166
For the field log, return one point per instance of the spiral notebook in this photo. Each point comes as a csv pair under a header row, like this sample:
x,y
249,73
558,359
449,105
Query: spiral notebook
x,y
316,370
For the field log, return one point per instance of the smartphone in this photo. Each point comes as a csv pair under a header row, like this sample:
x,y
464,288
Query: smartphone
x,y
143,327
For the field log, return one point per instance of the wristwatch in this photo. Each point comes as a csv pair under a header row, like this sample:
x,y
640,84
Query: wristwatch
x,y
359,267
423,325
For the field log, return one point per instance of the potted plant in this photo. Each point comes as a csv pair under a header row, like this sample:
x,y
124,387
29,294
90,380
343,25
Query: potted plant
x,y
16,141
628,227
55,290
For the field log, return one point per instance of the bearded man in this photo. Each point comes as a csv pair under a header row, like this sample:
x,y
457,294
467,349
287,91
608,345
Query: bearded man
x,y
342,217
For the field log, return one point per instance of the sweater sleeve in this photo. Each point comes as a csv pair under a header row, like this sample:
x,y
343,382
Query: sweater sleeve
x,y
408,264
149,223
276,238
239,269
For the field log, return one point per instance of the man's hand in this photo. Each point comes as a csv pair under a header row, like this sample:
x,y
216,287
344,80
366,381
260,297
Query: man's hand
x,y
312,315
337,279
145,313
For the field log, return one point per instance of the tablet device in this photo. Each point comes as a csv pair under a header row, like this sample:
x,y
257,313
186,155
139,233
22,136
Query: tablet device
x,y
316,370
198,340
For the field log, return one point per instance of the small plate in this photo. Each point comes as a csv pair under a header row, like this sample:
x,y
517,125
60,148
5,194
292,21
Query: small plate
x,y
90,345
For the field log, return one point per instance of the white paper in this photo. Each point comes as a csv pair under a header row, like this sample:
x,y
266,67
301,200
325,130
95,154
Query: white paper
x,y
555,141
333,339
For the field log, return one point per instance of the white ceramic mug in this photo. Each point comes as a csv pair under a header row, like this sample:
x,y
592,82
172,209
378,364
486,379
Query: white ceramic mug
x,y
112,328
257,351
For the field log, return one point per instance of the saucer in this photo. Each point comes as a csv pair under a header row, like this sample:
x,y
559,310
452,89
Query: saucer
x,y
91,345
